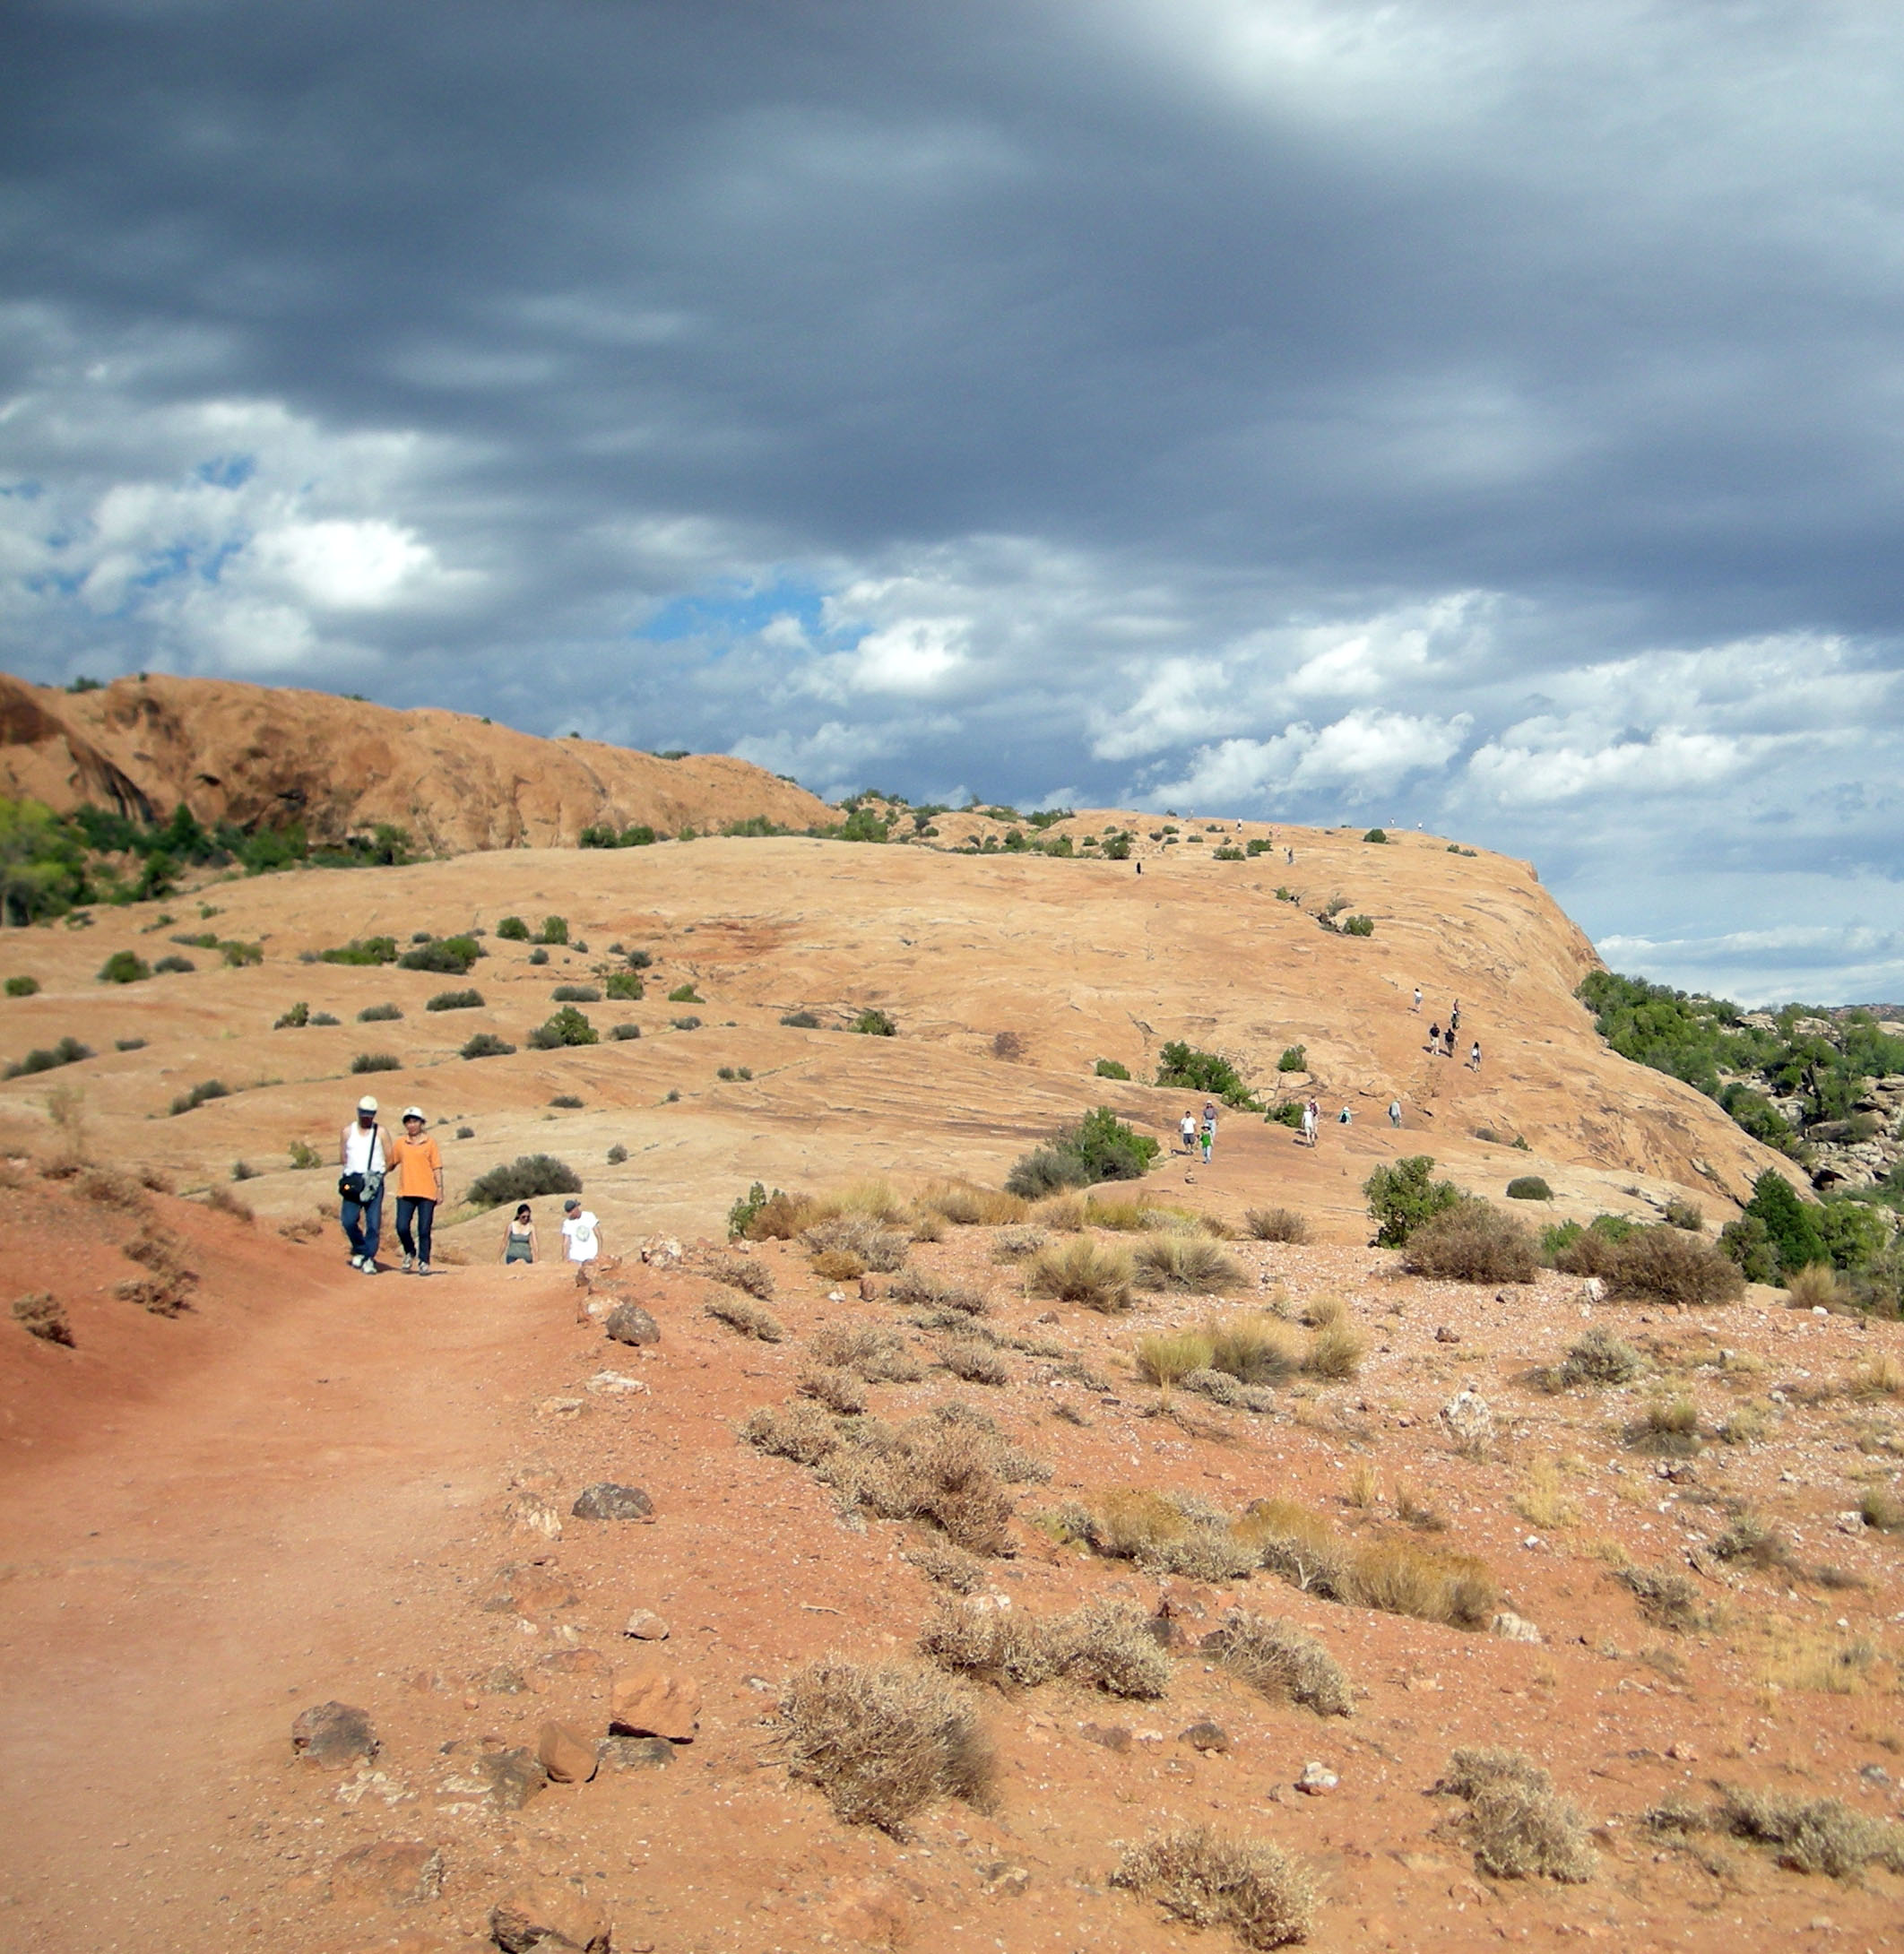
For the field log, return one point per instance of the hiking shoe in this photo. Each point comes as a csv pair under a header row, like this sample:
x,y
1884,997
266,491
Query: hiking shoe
x,y
423,1269
356,1261
369,1266
410,1263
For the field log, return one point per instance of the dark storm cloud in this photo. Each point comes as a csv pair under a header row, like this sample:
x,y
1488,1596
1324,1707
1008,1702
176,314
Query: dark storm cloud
x,y
1482,414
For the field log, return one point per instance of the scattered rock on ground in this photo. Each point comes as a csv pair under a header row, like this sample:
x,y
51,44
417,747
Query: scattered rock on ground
x,y
566,1754
334,1735
1513,1628
1004,1878
530,1588
629,1323
1206,1735
532,1514
655,1700
609,1502
1316,1780
645,1626
1467,1417
550,1916
390,1872
634,1754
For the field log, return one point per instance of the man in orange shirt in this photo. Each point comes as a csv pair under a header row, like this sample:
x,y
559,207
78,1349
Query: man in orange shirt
x,y
419,1169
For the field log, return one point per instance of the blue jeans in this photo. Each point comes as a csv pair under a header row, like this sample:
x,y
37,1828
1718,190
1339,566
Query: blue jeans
x,y
416,1210
363,1221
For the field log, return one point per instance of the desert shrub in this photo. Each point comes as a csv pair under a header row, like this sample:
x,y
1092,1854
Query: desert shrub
x,y
1275,1224
623,987
861,1237
1529,1187
781,1217
564,1026
1668,1601
1108,1643
995,1643
688,1023
362,952
975,1363
1682,1213
124,967
874,1024
838,1266
1281,1663
1098,1276
1335,1351
1791,1223
873,1351
1471,1242
69,1050
378,1014
1044,1171
1599,1357
1744,1424
1401,1197
746,1210
512,929
41,1315
451,957
523,1178
1252,1889
1187,1262
924,1291
22,987
455,1001
576,994
554,930
1821,1835
945,1566
1668,1426
882,1741
1813,1288
169,966
486,1045
1402,1578
1105,1068
206,1089
1518,1827
567,1102
1665,1265
837,1390
1358,926
1167,1358
377,1062
1252,1348
621,1032
745,1316
1182,1065
539,955
1099,1147
801,1021
1882,1509
966,1206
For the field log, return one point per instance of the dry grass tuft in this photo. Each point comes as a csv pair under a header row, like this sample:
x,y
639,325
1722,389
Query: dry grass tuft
x,y
1013,1244
915,1286
111,1189
1814,1287
1744,1425
1281,1663
967,1206
1363,1491
944,1565
40,1315
1275,1224
884,1740
1322,1312
875,1351
1064,1213
1256,1891
1188,1262
1882,1509
1543,1499
1821,1835
742,1272
743,1314
1124,1214
1335,1351
1253,1347
1167,1533
1096,1275
1170,1357
1669,1427
1402,1578
1472,1243
838,1266
1520,1829
975,1363
168,1291
1879,1375
227,1203
1819,1662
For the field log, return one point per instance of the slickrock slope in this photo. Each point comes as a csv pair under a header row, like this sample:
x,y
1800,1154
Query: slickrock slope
x,y
266,756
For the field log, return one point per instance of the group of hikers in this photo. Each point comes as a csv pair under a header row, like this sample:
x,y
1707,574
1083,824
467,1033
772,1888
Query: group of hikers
x,y
369,1156
1442,1043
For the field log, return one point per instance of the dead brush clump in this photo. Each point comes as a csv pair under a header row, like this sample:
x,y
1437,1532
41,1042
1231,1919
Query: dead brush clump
x,y
786,1218
1244,1887
1520,1829
837,1266
882,1741
876,1352
1275,1224
945,1566
1664,1264
168,1289
1013,1244
1600,1357
1193,1263
42,1316
838,1390
1279,1662
967,1206
741,1272
1814,1287
1472,1243
973,1360
1105,1645
1096,1275
746,1317
915,1286
111,1189
1878,1376
1397,1576
1668,1601
1177,1534
227,1203
1668,1427
861,1237
1819,1835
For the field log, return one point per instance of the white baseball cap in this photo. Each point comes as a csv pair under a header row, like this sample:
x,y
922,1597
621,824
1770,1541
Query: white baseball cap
x,y
412,1112
367,1104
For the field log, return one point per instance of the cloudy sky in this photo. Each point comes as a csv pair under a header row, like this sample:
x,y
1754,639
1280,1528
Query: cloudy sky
x,y
1482,415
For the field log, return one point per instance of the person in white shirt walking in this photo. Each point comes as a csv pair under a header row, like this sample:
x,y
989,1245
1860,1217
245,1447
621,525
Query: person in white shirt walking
x,y
581,1232
363,1158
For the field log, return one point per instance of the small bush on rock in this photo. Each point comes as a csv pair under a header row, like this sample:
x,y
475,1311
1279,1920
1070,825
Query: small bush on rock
x,y
523,1178
1083,1271
1401,1197
455,1001
1529,1187
1471,1242
1518,1829
487,1045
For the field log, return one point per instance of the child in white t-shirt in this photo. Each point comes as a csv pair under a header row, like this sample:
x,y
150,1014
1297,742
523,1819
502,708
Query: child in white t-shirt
x,y
580,1230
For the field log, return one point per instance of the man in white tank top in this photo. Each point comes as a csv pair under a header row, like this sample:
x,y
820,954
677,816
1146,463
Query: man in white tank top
x,y
363,1157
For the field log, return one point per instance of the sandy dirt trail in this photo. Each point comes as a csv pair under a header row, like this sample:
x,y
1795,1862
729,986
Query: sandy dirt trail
x,y
180,1587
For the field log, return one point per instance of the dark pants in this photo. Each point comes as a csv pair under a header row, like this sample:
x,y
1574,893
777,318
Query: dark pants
x,y
421,1210
363,1221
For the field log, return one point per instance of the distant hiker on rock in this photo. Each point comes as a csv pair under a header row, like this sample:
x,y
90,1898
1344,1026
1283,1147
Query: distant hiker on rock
x,y
1311,1112
1474,1056
1435,1039
1395,1112
1417,996
1448,1042
418,1163
363,1154
1209,1131
1187,1126
1343,1117
580,1230
1454,1015
519,1238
